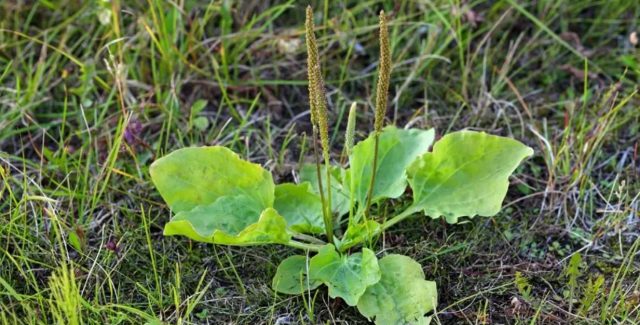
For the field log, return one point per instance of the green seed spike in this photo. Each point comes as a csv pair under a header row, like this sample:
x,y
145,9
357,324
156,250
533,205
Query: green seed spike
x,y
319,117
384,73
381,97
316,86
312,62
351,129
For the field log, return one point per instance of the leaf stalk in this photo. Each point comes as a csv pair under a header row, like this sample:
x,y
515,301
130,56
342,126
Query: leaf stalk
x,y
304,246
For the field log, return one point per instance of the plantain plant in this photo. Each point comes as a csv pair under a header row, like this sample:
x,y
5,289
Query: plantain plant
x,y
219,198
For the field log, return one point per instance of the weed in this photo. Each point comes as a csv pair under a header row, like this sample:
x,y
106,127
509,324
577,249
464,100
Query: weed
x,y
221,199
91,95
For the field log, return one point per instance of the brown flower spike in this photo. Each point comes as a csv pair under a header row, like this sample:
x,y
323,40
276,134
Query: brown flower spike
x,y
319,119
317,98
384,74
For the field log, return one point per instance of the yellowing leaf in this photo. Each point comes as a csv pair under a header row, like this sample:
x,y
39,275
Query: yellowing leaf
x,y
467,174
218,197
270,228
230,221
190,177
402,296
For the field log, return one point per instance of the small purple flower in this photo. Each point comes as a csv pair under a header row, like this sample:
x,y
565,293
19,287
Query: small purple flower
x,y
132,132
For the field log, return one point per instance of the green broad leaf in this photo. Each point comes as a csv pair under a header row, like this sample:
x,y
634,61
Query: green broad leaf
x,y
190,177
358,233
271,228
201,123
230,220
300,207
402,296
339,194
198,106
347,276
291,277
397,149
467,174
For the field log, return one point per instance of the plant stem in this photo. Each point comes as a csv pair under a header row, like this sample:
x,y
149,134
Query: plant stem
x,y
304,246
319,119
388,224
405,214
328,208
373,174
328,227
309,239
382,90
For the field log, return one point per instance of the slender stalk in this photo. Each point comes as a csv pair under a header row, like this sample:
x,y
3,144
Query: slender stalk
x,y
328,207
304,246
403,215
319,117
390,223
310,239
382,91
373,174
326,217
